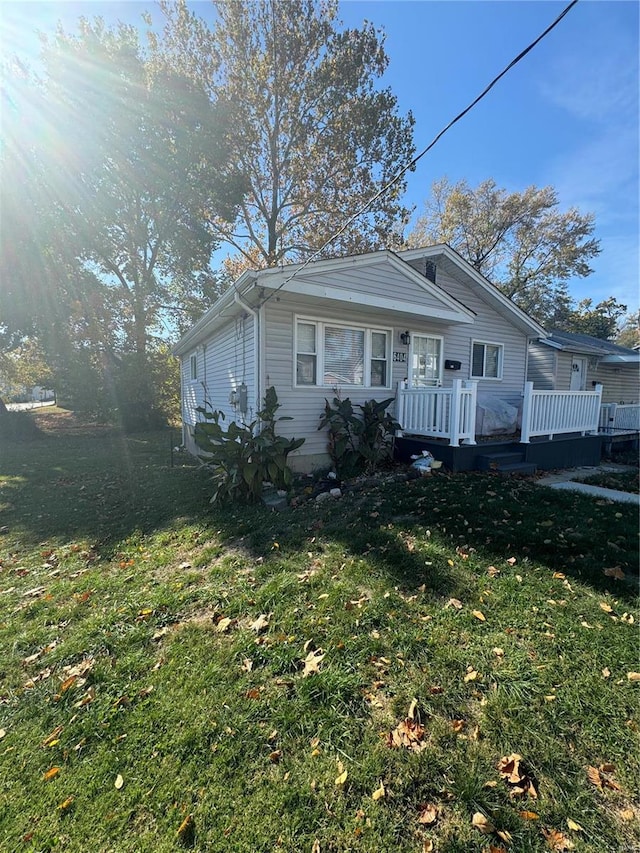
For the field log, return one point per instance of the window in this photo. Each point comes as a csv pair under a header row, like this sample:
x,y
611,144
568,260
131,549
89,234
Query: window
x,y
486,360
306,354
426,361
330,354
193,367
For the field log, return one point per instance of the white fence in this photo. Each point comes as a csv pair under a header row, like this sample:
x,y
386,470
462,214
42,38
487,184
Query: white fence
x,y
439,412
620,417
450,413
553,413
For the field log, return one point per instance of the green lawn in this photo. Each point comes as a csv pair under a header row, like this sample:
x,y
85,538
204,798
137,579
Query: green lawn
x,y
346,677
623,481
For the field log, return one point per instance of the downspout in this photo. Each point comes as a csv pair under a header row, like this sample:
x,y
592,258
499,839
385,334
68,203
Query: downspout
x,y
256,344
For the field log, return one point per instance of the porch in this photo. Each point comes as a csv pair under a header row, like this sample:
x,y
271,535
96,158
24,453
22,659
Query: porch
x,y
557,428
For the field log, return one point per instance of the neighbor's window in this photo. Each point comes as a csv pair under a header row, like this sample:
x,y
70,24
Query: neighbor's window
x,y
329,354
486,360
193,367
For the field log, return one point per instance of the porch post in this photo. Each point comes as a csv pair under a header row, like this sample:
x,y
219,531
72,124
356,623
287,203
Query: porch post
x,y
473,403
596,417
400,407
525,437
454,414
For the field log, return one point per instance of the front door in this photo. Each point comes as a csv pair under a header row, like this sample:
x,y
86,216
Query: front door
x,y
426,361
578,377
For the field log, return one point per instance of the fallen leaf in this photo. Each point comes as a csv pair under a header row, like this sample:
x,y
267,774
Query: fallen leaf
x,y
223,625
606,672
616,573
559,575
575,827
342,775
504,835
471,675
633,676
412,709
482,824
118,783
260,623
428,815
512,561
428,847
498,652
457,725
186,831
312,663
51,773
2,733
479,615
408,734
315,848
627,814
66,804
606,607
379,793
525,815
275,756
55,734
454,602
557,840
247,665
252,693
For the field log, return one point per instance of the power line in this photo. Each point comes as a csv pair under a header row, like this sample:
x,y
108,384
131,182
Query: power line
x,y
436,139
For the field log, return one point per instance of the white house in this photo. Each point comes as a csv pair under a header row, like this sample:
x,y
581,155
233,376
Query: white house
x,y
420,326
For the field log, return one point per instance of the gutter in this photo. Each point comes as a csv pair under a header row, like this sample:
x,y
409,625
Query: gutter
x,y
256,343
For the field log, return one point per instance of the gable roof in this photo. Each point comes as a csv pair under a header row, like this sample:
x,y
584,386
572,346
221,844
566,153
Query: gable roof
x,y
253,287
607,351
450,260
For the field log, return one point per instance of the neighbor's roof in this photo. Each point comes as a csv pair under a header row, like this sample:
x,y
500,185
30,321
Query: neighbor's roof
x,y
607,351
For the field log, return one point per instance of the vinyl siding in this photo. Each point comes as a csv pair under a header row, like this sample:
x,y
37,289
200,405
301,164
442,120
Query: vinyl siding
x,y
305,405
224,362
541,367
620,384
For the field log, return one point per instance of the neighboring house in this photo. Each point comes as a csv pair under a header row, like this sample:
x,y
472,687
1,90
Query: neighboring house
x,y
420,326
565,361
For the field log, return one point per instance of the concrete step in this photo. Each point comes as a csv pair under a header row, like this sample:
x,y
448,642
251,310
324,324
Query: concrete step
x,y
495,461
518,468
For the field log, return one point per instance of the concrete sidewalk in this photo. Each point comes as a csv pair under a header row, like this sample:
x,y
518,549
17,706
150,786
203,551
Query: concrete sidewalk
x,y
566,480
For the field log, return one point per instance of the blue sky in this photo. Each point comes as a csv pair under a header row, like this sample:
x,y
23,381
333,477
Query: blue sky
x,y
567,115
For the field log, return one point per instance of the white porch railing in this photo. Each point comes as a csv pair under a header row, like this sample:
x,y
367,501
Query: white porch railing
x,y
557,412
439,412
623,417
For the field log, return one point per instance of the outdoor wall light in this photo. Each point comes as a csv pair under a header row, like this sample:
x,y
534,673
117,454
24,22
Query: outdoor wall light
x,y
405,337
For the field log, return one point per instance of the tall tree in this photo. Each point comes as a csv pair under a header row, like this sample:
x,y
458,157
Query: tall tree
x,y
629,331
520,241
313,136
128,163
599,321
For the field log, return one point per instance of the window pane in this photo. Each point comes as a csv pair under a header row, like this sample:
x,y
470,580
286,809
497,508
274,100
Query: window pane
x,y
378,345
343,356
306,337
425,365
492,357
478,360
306,370
379,374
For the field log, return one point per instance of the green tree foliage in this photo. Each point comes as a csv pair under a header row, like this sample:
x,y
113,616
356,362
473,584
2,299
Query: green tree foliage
x,y
599,321
521,242
629,332
312,135
124,165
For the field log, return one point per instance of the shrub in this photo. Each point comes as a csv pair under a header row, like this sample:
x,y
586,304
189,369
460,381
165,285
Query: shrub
x,y
243,457
362,442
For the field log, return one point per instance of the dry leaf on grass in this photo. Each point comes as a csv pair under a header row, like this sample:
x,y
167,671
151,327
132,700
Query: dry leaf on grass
x,y
575,827
633,676
557,840
482,824
51,773
479,615
379,793
600,777
342,775
260,623
408,734
519,781
312,663
454,602
65,805
186,831
615,572
119,783
428,815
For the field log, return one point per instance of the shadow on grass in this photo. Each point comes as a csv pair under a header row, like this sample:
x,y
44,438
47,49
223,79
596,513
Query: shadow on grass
x,y
105,487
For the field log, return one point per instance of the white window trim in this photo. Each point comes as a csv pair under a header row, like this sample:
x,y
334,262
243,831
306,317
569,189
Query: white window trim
x,y
438,382
193,363
485,344
320,324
